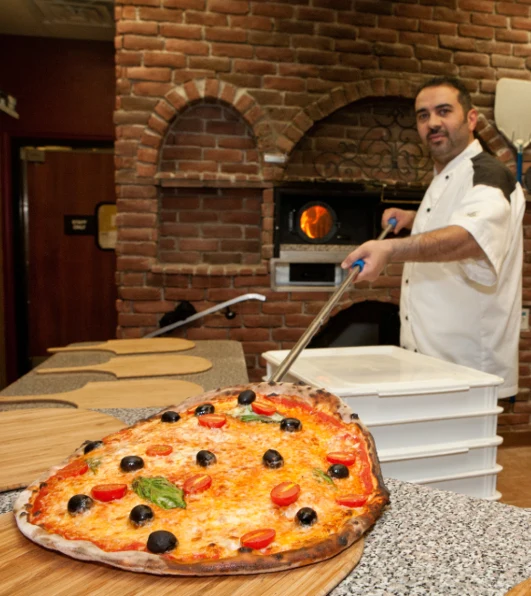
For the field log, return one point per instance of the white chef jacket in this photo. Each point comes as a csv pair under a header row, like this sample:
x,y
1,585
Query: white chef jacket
x,y
469,311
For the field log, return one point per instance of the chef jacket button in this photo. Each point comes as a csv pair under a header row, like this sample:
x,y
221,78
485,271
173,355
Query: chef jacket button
x,y
407,318
447,177
407,281
415,350
428,209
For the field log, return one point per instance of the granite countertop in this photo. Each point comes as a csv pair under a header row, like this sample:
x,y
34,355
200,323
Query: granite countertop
x,y
427,542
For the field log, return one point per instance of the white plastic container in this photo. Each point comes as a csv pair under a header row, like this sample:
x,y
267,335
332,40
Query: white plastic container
x,y
481,484
444,459
431,430
386,383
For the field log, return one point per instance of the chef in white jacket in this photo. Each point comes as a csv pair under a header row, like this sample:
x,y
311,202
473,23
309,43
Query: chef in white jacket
x,y
461,295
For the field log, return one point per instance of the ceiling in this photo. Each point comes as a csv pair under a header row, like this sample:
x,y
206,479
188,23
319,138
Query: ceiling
x,y
73,19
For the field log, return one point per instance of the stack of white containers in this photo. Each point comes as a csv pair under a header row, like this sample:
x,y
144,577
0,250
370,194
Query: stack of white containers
x,y
433,422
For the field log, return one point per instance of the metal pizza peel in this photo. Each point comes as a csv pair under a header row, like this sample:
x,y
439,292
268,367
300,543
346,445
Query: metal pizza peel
x,y
323,314
512,113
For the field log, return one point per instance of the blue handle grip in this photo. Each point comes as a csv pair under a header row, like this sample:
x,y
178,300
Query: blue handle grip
x,y
392,222
360,263
519,164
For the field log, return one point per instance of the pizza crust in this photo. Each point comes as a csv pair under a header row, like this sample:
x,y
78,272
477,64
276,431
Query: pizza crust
x,y
243,563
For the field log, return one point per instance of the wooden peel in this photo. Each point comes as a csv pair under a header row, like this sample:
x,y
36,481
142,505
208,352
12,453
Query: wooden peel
x,y
34,440
134,346
28,569
140,366
523,589
140,393
513,116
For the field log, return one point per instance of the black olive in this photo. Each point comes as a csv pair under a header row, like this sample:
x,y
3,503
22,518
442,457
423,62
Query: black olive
x,y
161,541
338,471
291,425
92,445
170,416
79,504
306,516
131,463
141,515
354,416
205,458
246,397
204,409
245,549
272,459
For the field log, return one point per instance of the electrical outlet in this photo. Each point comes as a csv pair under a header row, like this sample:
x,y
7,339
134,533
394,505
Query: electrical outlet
x,y
524,324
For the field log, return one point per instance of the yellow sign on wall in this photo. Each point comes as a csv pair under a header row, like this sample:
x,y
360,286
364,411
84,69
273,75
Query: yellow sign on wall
x,y
107,232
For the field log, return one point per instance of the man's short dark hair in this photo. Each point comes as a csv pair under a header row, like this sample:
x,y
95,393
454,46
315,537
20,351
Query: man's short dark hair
x,y
464,96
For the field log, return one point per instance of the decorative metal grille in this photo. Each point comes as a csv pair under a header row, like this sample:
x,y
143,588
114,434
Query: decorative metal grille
x,y
388,151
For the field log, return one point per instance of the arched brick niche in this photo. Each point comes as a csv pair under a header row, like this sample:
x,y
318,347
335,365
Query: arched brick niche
x,y
373,139
175,147
210,138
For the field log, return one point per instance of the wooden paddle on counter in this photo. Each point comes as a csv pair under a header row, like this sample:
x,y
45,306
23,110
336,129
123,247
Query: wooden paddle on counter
x,y
140,366
523,589
29,569
140,393
134,346
34,440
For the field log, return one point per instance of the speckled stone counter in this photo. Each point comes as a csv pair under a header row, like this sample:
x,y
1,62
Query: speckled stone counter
x,y
427,542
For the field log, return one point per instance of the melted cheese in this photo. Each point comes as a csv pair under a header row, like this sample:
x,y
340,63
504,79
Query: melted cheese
x,y
238,500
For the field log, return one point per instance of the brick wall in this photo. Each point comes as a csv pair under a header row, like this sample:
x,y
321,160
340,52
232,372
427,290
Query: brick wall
x,y
251,79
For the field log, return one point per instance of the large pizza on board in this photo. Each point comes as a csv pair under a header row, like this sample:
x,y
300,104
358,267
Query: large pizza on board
x,y
248,479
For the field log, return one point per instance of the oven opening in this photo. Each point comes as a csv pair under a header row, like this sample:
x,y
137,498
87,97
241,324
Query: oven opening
x,y
317,222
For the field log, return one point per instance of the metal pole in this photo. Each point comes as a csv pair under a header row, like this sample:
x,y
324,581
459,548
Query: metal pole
x,y
323,314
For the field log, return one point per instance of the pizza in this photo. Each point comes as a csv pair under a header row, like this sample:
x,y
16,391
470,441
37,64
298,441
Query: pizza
x,y
252,478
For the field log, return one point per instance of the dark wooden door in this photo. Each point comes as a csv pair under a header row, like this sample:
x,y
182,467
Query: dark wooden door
x,y
71,290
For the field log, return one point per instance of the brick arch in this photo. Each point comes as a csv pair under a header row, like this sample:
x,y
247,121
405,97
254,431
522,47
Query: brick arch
x,y
339,97
495,141
184,96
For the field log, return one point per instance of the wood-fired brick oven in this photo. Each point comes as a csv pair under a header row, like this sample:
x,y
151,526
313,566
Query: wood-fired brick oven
x,y
317,225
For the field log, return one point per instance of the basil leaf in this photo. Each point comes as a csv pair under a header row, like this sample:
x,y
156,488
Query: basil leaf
x,y
323,477
93,464
253,417
257,418
160,491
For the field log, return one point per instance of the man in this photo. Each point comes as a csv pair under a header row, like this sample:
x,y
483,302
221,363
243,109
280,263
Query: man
x,y
462,281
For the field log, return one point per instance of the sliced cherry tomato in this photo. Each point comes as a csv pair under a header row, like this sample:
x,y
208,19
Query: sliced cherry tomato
x,y
197,483
347,458
262,408
285,493
212,420
352,500
159,450
109,492
76,468
258,539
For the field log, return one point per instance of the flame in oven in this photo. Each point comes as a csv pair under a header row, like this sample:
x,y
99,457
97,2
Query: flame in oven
x,y
316,221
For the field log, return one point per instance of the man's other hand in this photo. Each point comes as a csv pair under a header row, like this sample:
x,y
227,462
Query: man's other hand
x,y
404,219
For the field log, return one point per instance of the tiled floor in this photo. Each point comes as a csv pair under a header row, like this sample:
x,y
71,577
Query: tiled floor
x,y
514,481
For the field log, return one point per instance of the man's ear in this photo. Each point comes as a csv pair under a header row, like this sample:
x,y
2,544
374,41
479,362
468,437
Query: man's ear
x,y
472,119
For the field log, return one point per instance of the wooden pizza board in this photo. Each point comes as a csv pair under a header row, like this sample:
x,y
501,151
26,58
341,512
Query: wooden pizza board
x,y
125,367
35,440
134,346
29,569
139,393
523,589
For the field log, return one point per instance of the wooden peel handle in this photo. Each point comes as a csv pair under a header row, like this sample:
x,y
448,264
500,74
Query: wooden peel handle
x,y
68,369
